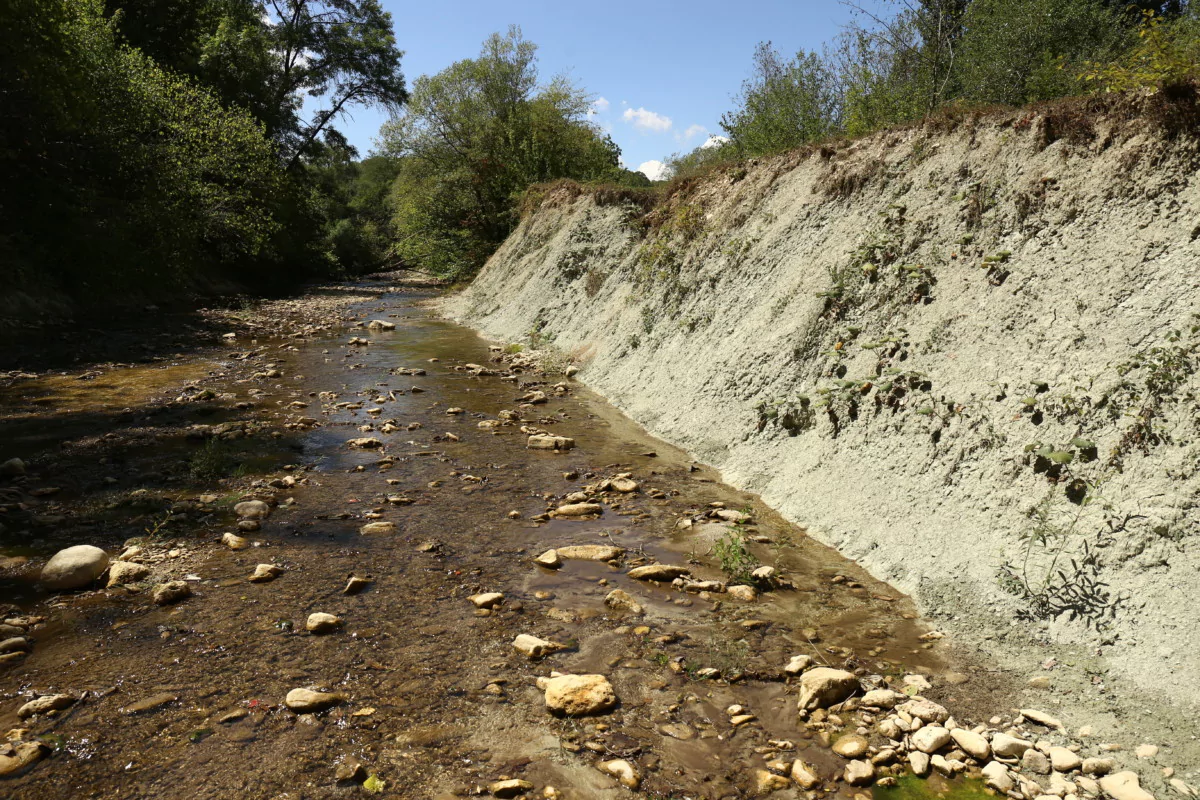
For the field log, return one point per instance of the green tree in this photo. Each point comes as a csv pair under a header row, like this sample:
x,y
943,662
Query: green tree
x,y
1018,51
473,138
783,103
118,176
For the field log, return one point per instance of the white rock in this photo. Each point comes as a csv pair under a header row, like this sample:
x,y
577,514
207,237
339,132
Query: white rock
x,y
1097,766
1041,718
307,701
252,509
321,622
74,567
744,593
996,775
579,510
589,552
658,572
541,441
1035,761
1063,760
824,686
487,599
123,572
45,704
973,744
623,771
1124,786
264,573
919,762
882,698
766,782
859,773
926,710
1009,746
549,559
534,647
620,600
930,738
805,776
797,664
234,542
579,695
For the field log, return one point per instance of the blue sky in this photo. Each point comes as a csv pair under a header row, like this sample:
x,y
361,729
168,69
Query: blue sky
x,y
662,72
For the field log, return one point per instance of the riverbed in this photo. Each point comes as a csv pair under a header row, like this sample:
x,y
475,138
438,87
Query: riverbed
x,y
187,700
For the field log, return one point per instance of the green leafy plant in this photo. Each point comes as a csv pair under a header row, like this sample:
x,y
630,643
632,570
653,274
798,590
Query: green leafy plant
x,y
735,558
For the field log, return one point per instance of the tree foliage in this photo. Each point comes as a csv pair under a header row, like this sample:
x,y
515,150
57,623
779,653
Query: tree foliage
x,y
144,146
917,56
474,136
784,103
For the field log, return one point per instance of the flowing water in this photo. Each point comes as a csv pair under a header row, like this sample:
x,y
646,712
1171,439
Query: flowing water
x,y
187,700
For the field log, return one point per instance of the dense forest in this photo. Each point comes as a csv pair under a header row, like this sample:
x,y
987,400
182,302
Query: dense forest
x,y
153,148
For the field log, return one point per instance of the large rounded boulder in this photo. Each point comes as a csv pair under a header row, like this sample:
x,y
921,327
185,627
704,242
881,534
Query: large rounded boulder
x,y
74,567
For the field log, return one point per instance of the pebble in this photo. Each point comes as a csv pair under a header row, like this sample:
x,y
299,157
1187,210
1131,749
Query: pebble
x,y
305,701
973,744
150,703
20,756
658,572
165,594
578,695
534,647
579,510
1009,746
252,509
804,775
122,572
996,776
797,664
509,788
355,585
1146,751
549,559
1124,786
1097,766
930,738
627,774
375,528
1035,761
487,599
1041,718
234,542
859,773
746,594
265,573
587,552
1063,760
45,704
824,686
766,782
851,745
620,600
322,623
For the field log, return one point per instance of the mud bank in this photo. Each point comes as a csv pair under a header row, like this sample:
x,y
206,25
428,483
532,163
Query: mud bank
x,y
965,359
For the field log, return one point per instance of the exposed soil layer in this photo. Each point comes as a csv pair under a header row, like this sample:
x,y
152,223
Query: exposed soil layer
x,y
187,700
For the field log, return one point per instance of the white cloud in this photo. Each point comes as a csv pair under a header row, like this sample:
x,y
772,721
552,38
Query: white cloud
x,y
654,170
601,104
647,120
714,141
692,130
